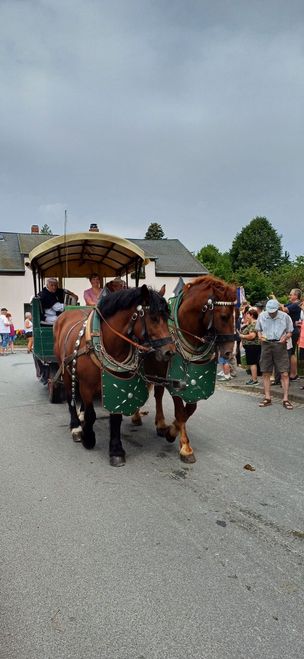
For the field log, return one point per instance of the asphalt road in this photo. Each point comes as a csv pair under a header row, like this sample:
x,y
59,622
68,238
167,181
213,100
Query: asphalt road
x,y
154,560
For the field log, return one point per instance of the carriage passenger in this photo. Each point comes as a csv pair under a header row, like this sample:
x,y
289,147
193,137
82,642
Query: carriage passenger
x,y
91,295
52,300
113,286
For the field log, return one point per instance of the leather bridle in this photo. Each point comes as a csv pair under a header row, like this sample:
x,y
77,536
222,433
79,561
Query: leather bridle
x,y
211,339
145,343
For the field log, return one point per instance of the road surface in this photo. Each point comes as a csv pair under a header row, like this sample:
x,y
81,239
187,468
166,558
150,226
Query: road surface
x,y
155,560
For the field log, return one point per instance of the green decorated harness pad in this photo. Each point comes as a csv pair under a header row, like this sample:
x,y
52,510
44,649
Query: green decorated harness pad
x,y
199,378
123,396
123,391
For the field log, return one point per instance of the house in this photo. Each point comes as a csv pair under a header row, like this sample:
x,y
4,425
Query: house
x,y
169,261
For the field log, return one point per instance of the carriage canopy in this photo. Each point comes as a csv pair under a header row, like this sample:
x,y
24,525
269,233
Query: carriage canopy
x,y
79,254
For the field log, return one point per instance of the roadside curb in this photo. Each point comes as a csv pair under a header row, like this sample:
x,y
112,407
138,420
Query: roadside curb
x,y
238,384
294,397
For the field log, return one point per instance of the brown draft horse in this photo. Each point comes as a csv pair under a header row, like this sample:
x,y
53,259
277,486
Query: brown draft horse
x,y
207,311
136,314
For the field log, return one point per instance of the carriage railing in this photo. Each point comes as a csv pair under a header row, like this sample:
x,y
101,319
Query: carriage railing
x,y
42,334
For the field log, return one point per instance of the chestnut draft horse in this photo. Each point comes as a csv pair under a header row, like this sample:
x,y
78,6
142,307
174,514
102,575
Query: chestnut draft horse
x,y
204,317
132,322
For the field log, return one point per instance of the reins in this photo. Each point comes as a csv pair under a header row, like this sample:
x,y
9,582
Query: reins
x,y
139,346
99,353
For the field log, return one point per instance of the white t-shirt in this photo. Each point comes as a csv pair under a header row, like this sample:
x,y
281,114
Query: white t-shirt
x,y
4,324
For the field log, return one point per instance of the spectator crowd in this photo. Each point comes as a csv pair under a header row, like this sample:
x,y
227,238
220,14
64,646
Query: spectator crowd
x,y
269,336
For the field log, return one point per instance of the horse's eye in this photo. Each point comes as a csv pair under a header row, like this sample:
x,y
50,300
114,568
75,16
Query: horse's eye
x,y
154,318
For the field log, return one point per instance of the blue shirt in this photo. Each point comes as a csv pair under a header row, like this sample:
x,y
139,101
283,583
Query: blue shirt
x,y
294,310
274,327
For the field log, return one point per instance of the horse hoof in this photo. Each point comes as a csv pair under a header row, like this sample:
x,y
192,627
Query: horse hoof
x,y
117,460
170,438
137,421
77,438
88,442
76,434
189,459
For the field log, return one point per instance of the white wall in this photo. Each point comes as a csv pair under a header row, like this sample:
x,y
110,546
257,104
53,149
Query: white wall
x,y
15,291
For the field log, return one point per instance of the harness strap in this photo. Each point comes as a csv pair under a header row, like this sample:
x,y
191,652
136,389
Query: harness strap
x,y
125,338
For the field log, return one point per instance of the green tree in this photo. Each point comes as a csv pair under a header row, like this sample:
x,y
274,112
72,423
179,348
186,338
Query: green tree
x,y
258,244
288,276
46,230
154,232
217,263
257,284
209,256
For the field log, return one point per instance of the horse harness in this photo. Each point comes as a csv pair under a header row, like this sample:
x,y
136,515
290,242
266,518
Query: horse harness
x,y
129,371
204,351
195,363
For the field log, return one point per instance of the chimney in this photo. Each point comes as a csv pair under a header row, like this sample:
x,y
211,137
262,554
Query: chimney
x,y
93,227
35,228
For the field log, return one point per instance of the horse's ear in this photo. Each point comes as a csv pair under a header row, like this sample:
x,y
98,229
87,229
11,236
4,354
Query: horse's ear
x,y
145,294
162,291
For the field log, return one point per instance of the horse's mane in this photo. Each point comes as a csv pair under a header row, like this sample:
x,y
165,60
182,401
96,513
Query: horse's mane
x,y
221,290
126,298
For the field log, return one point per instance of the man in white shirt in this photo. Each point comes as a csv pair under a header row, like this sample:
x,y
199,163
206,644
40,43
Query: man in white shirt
x,y
4,331
274,328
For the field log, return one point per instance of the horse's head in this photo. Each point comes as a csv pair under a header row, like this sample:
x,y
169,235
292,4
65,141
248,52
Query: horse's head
x,y
151,325
142,316
209,309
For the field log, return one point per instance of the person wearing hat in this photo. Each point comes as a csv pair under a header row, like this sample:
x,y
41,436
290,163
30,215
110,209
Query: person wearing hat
x,y
113,286
274,328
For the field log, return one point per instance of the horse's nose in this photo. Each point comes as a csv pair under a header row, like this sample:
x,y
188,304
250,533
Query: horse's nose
x,y
165,354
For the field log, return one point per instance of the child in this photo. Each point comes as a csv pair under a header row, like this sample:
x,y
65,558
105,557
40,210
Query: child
x,y
12,334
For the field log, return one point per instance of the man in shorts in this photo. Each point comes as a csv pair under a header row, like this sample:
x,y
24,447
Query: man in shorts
x,y
274,328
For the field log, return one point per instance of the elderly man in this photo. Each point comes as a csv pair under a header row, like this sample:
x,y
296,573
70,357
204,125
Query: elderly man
x,y
274,328
52,299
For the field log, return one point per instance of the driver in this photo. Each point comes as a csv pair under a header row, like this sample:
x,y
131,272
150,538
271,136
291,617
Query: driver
x,y
52,300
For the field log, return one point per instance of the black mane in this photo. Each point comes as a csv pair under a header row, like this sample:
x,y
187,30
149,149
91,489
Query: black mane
x,y
127,298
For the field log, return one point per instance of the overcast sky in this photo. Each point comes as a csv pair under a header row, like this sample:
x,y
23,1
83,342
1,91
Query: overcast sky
x,y
124,112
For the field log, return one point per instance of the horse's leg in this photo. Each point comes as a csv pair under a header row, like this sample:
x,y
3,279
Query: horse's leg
x,y
81,412
116,452
136,418
75,426
178,427
88,435
182,414
162,427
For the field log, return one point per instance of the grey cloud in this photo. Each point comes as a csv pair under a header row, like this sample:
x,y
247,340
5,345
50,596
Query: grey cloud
x,y
127,112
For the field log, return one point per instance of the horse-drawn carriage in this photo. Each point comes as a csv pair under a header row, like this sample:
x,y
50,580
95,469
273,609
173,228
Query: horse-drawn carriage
x,y
70,257
129,340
